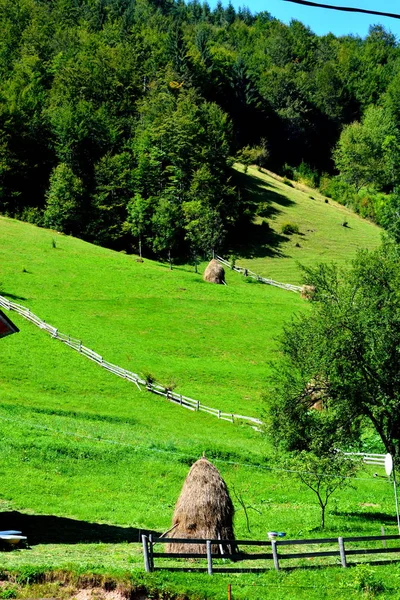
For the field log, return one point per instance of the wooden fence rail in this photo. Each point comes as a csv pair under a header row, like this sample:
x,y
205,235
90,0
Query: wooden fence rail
x,y
142,384
248,273
276,546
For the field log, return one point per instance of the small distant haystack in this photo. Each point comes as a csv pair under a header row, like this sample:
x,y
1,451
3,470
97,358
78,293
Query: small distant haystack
x,y
316,393
204,510
214,272
307,292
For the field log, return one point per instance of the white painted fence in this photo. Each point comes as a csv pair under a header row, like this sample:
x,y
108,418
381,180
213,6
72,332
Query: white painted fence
x,y
141,383
248,273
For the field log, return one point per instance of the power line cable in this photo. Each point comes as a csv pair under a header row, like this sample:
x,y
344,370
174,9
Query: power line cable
x,y
139,449
345,8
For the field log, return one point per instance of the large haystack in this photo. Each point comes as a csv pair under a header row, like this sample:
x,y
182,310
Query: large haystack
x,y
214,272
204,510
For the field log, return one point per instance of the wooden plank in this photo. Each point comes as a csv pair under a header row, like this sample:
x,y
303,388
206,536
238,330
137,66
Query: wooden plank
x,y
372,551
178,555
286,556
307,541
310,554
237,556
371,538
166,540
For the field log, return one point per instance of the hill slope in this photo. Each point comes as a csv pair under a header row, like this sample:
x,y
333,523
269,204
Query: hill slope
x,y
321,238
96,459
213,342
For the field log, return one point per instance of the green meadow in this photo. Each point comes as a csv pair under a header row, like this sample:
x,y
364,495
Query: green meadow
x,y
88,461
321,238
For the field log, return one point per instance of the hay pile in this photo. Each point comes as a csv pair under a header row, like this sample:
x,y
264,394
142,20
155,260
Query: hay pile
x,y
214,272
307,292
316,393
204,510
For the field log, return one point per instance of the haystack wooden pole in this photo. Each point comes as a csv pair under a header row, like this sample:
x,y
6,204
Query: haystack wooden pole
x,y
275,554
209,558
146,554
342,552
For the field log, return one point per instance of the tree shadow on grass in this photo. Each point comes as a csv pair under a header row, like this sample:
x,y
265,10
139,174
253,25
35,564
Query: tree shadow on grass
x,y
260,194
368,516
256,240
49,529
12,296
262,200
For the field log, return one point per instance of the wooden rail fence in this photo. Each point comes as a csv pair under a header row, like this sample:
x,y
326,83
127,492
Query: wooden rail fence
x,y
248,273
150,386
276,555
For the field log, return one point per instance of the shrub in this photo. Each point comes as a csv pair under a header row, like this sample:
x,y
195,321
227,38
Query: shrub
x,y
7,593
287,171
366,581
305,174
337,189
253,155
31,574
33,215
289,228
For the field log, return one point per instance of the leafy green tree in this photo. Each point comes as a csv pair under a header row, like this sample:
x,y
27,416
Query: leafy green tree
x,y
203,226
64,209
348,347
165,222
113,190
323,475
367,152
389,215
139,215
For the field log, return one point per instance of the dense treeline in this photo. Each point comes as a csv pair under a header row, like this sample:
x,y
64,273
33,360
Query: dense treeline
x,y
119,118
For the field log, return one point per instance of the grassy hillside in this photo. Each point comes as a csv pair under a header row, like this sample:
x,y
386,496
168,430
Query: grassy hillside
x,y
213,342
322,236
87,460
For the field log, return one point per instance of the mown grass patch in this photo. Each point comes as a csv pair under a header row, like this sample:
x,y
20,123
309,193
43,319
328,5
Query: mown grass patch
x,y
321,235
213,342
87,461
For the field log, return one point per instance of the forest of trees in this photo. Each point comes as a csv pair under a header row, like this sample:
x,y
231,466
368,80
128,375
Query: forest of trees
x,y
120,119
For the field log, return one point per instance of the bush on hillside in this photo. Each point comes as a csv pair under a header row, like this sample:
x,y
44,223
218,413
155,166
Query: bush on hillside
x,y
307,175
289,228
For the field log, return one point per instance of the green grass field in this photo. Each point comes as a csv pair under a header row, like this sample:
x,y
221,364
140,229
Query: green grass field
x,y
87,461
321,238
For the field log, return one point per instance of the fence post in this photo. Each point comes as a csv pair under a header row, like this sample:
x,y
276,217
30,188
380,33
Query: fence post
x,y
275,554
219,414
209,558
384,544
151,557
198,405
342,552
146,554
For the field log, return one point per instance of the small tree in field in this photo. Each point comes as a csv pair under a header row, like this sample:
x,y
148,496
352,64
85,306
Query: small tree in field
x,y
323,475
349,342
